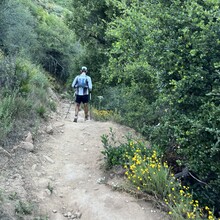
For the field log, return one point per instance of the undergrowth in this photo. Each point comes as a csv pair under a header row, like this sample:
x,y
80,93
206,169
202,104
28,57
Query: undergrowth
x,y
147,171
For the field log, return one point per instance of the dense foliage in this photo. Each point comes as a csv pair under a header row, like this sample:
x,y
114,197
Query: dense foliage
x,y
154,63
147,172
162,75
35,44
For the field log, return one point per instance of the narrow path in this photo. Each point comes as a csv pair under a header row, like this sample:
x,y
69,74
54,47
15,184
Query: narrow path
x,y
67,183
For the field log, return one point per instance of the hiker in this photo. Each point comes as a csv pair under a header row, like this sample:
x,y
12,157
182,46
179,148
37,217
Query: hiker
x,y
83,87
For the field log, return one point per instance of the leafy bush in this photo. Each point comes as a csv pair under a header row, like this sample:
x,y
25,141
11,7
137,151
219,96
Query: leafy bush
x,y
7,112
24,96
147,171
41,111
17,28
23,208
171,67
118,155
103,115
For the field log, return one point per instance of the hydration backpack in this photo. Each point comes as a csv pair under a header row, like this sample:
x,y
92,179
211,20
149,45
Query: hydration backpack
x,y
82,82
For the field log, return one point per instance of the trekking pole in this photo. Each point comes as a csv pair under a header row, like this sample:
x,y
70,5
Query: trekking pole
x,y
69,107
90,98
68,110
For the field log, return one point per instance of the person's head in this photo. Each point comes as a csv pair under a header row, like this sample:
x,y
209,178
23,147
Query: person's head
x,y
84,69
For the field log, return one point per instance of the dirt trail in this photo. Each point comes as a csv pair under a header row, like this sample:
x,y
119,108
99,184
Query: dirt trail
x,y
65,175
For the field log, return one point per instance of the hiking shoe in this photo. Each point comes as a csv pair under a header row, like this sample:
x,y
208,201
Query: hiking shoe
x,y
75,119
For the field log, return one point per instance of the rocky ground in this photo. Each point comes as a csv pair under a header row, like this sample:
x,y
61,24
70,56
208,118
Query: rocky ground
x,y
58,175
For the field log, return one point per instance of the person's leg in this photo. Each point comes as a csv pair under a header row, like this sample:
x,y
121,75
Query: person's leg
x,y
86,106
76,112
86,110
77,108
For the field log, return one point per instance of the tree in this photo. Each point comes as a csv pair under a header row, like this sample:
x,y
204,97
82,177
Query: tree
x,y
17,28
88,20
177,45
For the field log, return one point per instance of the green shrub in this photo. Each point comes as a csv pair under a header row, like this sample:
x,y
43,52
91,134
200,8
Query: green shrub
x,y
102,115
30,76
41,110
39,80
23,208
13,196
118,155
7,111
148,173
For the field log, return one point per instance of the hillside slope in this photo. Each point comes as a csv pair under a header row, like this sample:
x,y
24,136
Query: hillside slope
x,y
62,176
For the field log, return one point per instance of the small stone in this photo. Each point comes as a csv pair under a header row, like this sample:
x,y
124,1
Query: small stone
x,y
54,211
49,129
101,180
73,217
78,214
34,167
112,175
29,138
48,159
51,178
48,192
27,146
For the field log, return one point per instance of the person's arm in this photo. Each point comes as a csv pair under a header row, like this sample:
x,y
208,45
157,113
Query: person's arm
x,y
89,83
74,83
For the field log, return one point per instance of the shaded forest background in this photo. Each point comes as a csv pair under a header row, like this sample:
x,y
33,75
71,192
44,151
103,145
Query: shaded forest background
x,y
156,65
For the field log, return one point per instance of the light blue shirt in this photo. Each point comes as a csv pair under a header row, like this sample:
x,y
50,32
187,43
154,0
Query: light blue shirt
x,y
82,91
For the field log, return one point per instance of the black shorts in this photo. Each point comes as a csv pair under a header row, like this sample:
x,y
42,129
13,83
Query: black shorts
x,y
82,98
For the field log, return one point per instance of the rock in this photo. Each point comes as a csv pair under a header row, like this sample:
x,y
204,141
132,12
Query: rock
x,y
48,192
48,159
101,180
73,217
61,195
78,214
34,167
27,146
16,176
58,124
54,211
49,129
51,178
29,138
112,175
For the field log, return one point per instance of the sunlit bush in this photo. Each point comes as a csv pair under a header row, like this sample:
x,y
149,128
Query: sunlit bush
x,y
148,173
